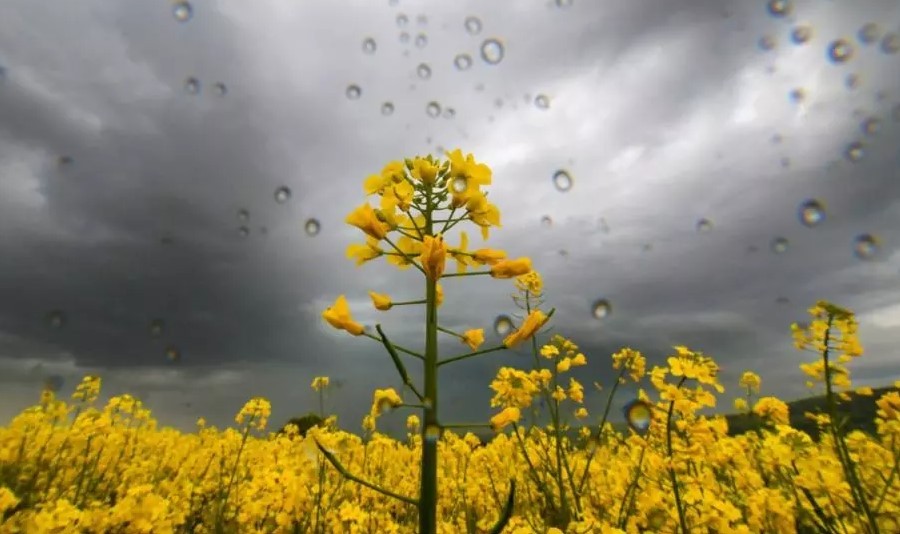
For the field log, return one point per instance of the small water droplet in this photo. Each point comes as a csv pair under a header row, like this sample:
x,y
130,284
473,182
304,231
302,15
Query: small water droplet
x,y
811,212
638,414
564,3
449,113
782,300
243,231
704,225
219,89
546,221
369,46
54,383
422,20
404,38
459,184
243,215
473,25
767,43
868,33
353,92
779,8
492,51
312,227
503,325
562,180
854,152
779,245
402,20
462,61
797,95
851,81
387,109
890,43
421,40
424,71
865,246
601,309
542,102
840,50
182,11
871,126
433,109
282,194
192,86
432,433
173,354
64,161
801,34
56,319
156,327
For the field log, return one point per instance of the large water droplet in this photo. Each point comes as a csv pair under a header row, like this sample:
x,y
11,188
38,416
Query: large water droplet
x,y
173,354
854,151
638,414
462,61
492,51
353,92
459,184
282,194
182,11
192,86
840,50
704,225
890,43
811,212
424,71
369,46
473,25
562,180
402,20
601,309
503,325
433,109
56,319
865,246
779,245
312,227
156,327
432,433
387,109
868,33
801,34
542,101
766,43
421,40
219,89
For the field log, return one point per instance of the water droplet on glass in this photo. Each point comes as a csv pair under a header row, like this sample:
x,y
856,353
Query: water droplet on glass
x,y
243,231
779,8
243,215
564,3
865,246
172,353
54,383
404,38
890,43
402,20
854,151
704,225
192,86
473,25
459,185
156,327
369,46
492,51
546,221
638,414
387,109
782,300
766,43
424,71
56,319
432,433
312,227
811,212
219,89
64,161
449,113
421,40
182,11
502,325
868,33
840,50
871,126
797,95
801,34
562,181
433,109
779,245
852,81
282,194
422,20
462,61
601,309
542,102
353,92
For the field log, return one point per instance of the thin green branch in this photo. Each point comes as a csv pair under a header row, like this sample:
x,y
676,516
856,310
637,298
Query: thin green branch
x,y
397,347
470,355
398,363
507,510
342,470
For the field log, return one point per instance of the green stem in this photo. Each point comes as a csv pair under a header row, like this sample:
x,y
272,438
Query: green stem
x,y
408,302
609,399
398,363
678,504
469,355
428,490
397,348
347,474
473,273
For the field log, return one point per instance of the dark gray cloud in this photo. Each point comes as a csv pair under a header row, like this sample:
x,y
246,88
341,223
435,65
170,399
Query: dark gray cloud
x,y
120,191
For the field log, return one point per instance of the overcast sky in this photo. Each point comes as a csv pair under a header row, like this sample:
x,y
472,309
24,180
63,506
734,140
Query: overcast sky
x,y
693,131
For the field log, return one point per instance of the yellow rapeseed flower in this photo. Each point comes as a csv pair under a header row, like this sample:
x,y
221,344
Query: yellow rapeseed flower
x,y
535,320
319,383
381,302
365,219
473,338
338,316
505,418
433,256
511,268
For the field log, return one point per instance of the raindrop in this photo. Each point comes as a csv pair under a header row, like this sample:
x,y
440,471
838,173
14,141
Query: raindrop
x,y
243,231
779,245
546,221
704,225
192,86
369,45
156,327
563,252
638,414
404,38
890,43
432,433
871,126
459,184
64,161
801,34
865,246
840,50
777,139
424,71
797,95
854,151
449,113
312,227
219,89
54,383
172,353
387,109
564,3
851,81
433,109
782,300
779,8
601,309
282,194
785,162
502,325
542,102
402,20
462,61
766,43
473,25
243,215
492,51
811,212
562,181
868,33
56,319
421,40
353,92
182,11
422,20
